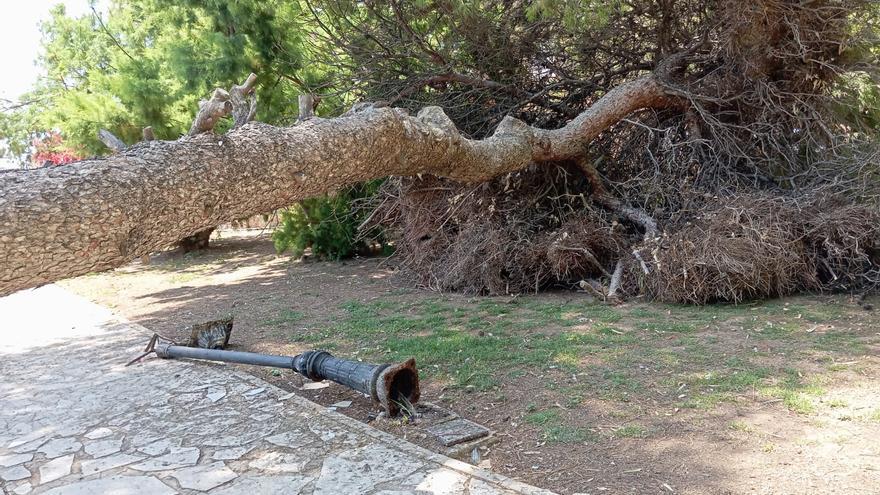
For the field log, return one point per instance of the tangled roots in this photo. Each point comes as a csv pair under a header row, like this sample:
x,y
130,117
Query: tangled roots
x,y
760,246
520,234
523,232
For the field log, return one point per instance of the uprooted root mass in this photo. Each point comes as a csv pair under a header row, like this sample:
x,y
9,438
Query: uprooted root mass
x,y
539,228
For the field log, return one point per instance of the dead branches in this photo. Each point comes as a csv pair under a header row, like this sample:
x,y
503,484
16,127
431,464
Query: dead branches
x,y
239,102
755,247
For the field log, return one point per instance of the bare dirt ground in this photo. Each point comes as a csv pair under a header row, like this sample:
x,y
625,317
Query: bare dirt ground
x,y
774,397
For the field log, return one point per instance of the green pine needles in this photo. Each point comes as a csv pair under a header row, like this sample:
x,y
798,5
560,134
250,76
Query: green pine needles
x,y
329,226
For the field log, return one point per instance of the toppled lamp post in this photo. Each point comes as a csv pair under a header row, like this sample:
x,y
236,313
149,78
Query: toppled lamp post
x,y
390,385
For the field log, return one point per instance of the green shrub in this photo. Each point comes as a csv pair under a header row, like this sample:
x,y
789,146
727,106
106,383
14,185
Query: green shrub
x,y
328,225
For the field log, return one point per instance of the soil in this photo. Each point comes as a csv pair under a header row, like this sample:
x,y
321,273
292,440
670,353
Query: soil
x,y
631,420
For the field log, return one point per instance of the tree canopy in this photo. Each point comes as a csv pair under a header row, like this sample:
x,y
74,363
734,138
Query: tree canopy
x,y
668,112
149,62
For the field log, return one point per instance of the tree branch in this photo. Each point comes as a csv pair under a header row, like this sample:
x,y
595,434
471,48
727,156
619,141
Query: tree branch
x,y
210,112
111,141
108,33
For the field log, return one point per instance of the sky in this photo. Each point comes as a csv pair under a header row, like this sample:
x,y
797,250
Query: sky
x,y
20,39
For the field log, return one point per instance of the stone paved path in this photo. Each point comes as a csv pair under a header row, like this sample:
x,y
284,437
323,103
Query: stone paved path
x,y
73,420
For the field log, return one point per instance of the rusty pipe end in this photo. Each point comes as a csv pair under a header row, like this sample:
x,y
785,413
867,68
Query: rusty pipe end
x,y
161,348
398,385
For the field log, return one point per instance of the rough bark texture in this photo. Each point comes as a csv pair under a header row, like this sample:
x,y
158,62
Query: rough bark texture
x,y
199,240
97,214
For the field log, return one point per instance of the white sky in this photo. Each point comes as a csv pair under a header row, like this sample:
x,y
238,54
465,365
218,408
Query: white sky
x,y
20,39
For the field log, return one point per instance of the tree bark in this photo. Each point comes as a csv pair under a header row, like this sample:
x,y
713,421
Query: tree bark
x,y
100,213
197,241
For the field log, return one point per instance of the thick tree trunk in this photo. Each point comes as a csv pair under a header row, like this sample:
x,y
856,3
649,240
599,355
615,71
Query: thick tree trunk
x,y
197,241
98,214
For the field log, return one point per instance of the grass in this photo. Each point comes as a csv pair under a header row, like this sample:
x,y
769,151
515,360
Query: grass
x,y
741,426
467,349
286,317
631,431
568,434
543,418
668,326
553,429
713,387
796,393
479,346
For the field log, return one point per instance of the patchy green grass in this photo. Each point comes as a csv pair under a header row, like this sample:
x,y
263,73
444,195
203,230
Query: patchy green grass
x,y
568,434
667,326
554,430
543,418
795,392
741,426
710,388
479,345
467,349
631,431
286,317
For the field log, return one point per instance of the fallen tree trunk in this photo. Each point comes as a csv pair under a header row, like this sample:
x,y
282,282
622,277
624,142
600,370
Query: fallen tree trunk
x,y
101,213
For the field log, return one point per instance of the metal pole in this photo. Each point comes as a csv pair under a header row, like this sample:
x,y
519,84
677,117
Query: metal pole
x,y
392,386
178,351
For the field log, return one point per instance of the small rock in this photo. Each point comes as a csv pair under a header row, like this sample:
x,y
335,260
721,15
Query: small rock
x,y
216,393
156,448
290,439
142,485
254,392
261,417
275,462
314,385
29,447
436,482
342,404
480,487
32,437
231,454
265,485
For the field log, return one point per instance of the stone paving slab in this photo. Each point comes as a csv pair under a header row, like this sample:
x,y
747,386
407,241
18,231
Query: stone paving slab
x,y
75,421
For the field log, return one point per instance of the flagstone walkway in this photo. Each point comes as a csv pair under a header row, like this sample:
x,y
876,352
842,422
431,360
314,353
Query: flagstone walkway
x,y
74,420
